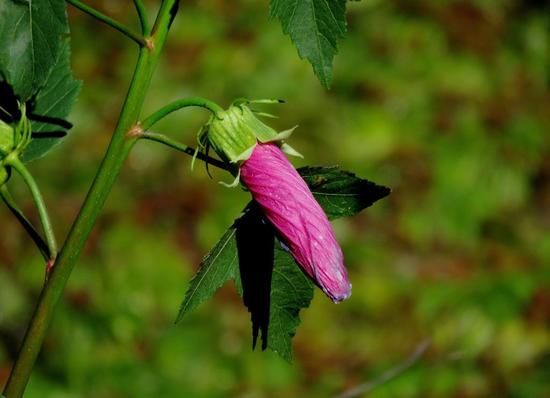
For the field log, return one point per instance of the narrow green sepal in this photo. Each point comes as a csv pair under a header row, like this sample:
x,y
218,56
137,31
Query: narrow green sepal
x,y
194,158
201,139
283,135
267,101
291,151
235,181
262,131
245,101
245,155
265,114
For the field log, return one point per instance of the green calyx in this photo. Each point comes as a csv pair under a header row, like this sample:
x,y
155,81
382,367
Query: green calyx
x,y
234,133
13,141
231,135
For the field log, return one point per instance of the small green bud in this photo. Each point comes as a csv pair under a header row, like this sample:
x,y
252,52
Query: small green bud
x,y
234,133
7,142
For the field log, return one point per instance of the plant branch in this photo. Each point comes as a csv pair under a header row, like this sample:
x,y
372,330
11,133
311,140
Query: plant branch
x,y
40,205
388,375
148,122
142,14
119,147
33,233
161,138
125,30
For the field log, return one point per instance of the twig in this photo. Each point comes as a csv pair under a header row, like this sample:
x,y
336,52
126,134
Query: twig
x,y
389,374
161,138
149,121
139,39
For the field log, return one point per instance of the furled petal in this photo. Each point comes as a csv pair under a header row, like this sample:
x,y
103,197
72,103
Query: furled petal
x,y
302,224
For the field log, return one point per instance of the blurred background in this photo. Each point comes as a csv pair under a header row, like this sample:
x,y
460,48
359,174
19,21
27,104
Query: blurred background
x,y
446,102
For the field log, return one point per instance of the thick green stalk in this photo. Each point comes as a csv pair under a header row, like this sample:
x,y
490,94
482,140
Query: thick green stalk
x,y
121,143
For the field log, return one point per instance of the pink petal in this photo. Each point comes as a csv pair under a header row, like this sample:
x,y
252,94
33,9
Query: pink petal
x,y
290,206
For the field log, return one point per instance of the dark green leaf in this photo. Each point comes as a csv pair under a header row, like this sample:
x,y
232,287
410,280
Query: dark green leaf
x,y
288,291
315,26
341,193
31,32
52,105
216,268
291,290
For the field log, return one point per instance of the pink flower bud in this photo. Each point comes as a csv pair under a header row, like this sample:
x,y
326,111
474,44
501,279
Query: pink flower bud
x,y
302,224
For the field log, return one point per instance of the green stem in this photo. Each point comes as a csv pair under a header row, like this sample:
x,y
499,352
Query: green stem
x,y
139,39
161,138
142,14
39,201
177,105
120,146
33,233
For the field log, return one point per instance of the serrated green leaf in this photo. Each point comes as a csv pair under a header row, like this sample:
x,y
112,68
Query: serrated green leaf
x,y
52,105
274,289
315,26
273,286
291,291
31,32
341,193
217,267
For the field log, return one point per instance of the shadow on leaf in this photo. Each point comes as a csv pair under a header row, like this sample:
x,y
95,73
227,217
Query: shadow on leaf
x,y
9,110
255,240
55,122
50,134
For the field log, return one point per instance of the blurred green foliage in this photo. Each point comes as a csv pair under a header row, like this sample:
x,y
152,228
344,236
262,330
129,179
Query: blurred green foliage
x,y
447,102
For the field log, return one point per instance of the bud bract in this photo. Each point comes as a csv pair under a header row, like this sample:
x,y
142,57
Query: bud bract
x,y
234,133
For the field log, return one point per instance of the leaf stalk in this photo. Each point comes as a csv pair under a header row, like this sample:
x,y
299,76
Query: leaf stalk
x,y
161,138
200,102
142,14
125,30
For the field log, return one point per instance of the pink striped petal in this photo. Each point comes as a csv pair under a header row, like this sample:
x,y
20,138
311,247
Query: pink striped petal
x,y
302,224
